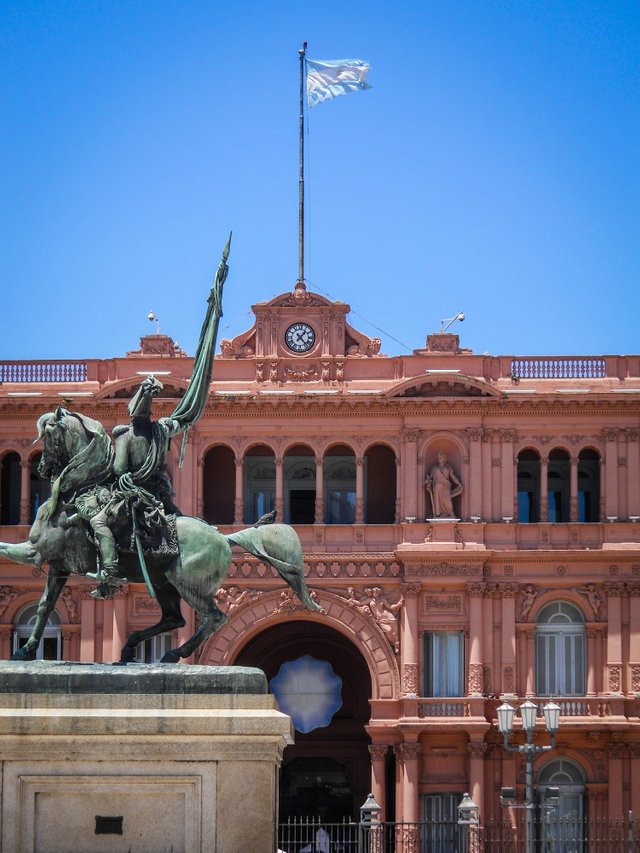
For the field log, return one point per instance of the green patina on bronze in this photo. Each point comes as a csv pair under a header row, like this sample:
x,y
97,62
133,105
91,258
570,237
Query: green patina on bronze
x,y
111,505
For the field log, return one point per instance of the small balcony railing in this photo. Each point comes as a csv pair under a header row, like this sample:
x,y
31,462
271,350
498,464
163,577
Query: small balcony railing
x,y
43,371
559,368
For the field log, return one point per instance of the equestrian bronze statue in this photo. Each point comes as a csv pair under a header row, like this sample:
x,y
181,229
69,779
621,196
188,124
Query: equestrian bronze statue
x,y
111,514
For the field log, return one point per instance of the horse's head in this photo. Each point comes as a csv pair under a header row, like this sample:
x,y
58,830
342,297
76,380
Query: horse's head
x,y
64,436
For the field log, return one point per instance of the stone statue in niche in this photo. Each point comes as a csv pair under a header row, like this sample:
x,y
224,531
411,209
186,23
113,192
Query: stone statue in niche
x,y
443,486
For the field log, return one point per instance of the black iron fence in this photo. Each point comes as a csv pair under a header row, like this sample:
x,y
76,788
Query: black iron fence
x,y
552,835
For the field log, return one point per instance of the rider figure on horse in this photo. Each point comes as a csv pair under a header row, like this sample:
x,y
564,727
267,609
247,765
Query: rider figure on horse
x,y
142,488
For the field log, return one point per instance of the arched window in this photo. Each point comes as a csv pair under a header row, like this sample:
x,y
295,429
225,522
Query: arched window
x,y
558,479
562,825
528,486
380,480
259,472
39,488
219,485
588,486
560,651
10,489
50,647
339,472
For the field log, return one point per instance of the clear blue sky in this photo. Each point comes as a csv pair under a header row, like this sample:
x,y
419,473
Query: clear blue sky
x,y
494,167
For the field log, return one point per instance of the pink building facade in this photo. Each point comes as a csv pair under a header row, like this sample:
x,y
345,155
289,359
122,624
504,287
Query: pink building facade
x,y
531,588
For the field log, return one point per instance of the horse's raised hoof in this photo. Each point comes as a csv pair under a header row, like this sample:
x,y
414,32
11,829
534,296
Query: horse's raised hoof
x,y
127,655
23,655
170,657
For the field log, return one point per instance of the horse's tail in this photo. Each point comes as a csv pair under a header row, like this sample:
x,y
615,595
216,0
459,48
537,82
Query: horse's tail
x,y
278,545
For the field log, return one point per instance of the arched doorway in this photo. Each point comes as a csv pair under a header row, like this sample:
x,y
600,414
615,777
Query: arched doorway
x,y
219,485
380,472
259,483
326,773
10,488
528,486
299,485
562,825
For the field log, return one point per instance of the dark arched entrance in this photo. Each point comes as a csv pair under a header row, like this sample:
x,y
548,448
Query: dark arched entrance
x,y
327,772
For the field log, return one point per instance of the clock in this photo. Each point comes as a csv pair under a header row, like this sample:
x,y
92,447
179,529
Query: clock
x,y
300,337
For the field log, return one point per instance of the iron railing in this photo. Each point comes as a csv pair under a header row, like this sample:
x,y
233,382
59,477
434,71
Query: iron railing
x,y
553,835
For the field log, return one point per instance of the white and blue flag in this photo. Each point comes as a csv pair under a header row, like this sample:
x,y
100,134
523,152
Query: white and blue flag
x,y
329,78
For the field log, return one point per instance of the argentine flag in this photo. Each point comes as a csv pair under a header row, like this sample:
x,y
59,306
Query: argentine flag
x,y
329,78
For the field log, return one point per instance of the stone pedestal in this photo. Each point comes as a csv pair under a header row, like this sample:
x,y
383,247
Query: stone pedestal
x,y
141,758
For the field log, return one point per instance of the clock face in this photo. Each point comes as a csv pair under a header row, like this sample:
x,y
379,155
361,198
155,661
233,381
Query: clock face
x,y
300,337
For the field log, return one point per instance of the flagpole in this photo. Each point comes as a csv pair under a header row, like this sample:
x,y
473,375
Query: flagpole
x,y
302,54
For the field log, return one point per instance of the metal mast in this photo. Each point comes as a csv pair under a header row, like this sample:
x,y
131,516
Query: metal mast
x,y
302,54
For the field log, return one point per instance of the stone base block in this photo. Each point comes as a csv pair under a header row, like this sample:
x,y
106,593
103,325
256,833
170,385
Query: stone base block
x,y
138,758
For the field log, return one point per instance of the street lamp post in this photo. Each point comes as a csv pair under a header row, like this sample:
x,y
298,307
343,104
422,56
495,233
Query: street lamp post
x,y
528,713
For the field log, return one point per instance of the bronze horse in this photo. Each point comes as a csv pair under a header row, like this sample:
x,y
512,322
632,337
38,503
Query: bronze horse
x,y
193,575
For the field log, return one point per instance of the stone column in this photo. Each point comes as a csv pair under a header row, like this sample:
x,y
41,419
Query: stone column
x,y
475,591
611,472
616,753
6,635
378,753
107,631
409,753
359,490
530,687
87,627
410,472
319,509
522,656
279,489
238,504
198,485
591,662
544,488
509,675
488,511
477,750
398,510
603,491
119,621
474,484
573,489
409,640
633,462
507,437
614,591
25,491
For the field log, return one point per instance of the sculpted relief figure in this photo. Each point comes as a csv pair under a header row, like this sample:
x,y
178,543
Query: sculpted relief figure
x,y
376,604
443,485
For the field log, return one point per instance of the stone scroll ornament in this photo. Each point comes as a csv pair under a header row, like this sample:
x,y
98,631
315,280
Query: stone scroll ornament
x,y
111,506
